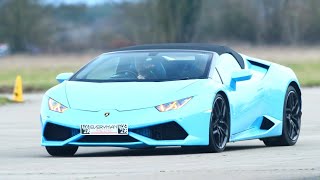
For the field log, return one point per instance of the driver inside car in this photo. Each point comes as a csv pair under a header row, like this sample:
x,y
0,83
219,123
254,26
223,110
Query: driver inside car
x,y
150,68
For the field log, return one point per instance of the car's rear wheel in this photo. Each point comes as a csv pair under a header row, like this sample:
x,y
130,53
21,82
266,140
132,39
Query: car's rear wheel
x,y
219,125
291,121
61,150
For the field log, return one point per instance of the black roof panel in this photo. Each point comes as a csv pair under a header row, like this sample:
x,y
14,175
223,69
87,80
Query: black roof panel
x,y
189,46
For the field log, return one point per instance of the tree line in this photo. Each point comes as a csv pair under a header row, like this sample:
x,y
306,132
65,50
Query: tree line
x,y
34,25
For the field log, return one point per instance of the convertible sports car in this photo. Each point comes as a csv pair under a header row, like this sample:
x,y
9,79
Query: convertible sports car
x,y
188,95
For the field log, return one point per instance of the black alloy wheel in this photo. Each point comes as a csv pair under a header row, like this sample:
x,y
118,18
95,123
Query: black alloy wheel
x,y
291,121
219,125
293,117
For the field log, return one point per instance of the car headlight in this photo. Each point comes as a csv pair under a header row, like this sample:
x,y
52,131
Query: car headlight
x,y
173,105
56,106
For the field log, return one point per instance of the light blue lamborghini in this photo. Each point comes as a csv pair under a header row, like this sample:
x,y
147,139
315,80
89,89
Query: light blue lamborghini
x,y
188,95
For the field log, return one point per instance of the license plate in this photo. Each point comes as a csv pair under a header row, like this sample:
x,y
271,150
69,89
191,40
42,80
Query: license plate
x,y
104,129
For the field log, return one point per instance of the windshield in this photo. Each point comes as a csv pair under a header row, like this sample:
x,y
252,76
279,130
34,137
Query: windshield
x,y
146,66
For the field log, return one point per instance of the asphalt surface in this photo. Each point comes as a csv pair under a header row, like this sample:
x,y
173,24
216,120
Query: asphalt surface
x,y
22,157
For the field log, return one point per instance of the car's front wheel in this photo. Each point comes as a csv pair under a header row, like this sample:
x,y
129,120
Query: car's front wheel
x,y
219,125
61,150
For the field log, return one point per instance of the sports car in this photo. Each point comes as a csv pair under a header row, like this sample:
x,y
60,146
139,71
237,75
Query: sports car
x,y
189,95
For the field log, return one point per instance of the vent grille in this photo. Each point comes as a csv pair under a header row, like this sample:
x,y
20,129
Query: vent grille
x,y
166,131
107,138
266,124
54,132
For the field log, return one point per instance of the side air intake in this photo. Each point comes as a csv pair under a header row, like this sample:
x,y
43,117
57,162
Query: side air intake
x,y
266,124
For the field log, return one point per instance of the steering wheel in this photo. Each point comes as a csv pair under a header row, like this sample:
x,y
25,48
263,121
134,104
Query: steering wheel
x,y
127,73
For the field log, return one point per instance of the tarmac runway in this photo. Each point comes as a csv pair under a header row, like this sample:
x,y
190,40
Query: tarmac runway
x,y
22,157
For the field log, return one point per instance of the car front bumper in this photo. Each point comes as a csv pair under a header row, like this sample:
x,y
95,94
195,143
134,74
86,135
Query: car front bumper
x,y
187,126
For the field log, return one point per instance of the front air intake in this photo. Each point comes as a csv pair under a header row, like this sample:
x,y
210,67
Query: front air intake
x,y
166,131
107,139
54,132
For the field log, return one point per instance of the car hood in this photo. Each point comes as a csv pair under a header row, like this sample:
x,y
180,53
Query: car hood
x,y
124,95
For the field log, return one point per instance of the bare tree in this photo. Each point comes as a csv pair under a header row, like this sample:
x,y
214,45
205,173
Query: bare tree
x,y
22,23
176,20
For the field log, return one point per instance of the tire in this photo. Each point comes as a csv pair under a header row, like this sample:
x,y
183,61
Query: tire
x,y
219,130
62,150
291,121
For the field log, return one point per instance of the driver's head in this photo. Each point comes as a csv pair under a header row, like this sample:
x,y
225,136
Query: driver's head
x,y
143,65
151,68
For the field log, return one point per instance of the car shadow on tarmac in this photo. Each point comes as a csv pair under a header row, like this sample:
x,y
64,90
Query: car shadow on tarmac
x,y
161,151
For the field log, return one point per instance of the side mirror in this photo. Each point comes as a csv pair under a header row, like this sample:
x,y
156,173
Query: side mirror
x,y
241,75
64,76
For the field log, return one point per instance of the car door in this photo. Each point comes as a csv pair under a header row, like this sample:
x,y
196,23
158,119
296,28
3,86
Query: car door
x,y
245,98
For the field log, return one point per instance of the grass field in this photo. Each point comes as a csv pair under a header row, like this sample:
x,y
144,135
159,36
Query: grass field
x,y
39,72
33,79
4,100
308,74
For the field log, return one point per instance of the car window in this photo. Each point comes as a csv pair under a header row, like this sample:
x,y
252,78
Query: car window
x,y
106,68
146,66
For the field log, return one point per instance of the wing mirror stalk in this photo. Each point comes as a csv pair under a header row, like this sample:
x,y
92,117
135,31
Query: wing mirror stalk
x,y
241,75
